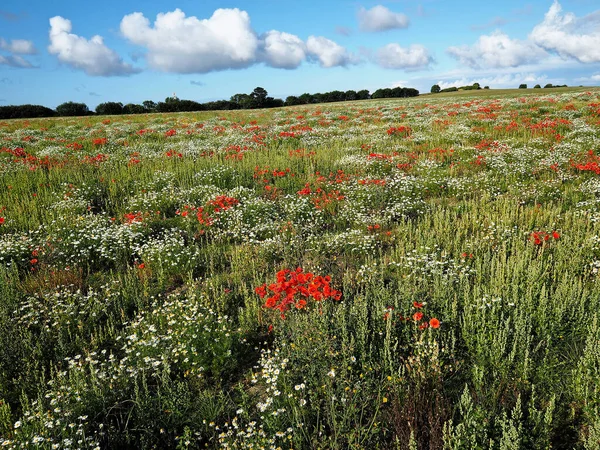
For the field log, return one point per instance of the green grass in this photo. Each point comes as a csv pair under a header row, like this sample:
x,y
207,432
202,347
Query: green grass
x,y
129,309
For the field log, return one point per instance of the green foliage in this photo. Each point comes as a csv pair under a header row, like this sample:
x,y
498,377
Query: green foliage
x,y
109,108
72,109
462,229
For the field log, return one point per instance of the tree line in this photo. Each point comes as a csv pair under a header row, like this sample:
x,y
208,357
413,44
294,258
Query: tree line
x,y
258,98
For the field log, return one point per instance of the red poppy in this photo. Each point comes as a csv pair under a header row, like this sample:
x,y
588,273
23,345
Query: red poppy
x,y
417,305
434,323
417,316
2,220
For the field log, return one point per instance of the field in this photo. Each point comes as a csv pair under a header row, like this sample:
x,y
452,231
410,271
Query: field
x,y
399,274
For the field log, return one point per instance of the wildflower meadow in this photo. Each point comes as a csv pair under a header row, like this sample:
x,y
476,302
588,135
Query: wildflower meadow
x,y
417,273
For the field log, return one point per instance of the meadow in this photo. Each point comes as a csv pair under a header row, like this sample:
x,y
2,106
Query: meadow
x,y
394,274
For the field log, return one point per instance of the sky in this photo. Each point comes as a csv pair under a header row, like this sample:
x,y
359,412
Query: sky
x,y
203,50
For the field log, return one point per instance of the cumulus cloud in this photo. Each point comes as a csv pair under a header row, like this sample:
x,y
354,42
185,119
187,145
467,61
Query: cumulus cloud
x,y
181,44
380,18
15,61
328,53
506,80
497,50
283,50
569,36
19,46
91,56
393,56
226,40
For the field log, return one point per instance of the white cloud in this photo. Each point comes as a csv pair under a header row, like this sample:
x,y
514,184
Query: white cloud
x,y
505,80
15,61
91,56
328,53
181,44
393,56
20,46
380,18
497,50
283,50
569,36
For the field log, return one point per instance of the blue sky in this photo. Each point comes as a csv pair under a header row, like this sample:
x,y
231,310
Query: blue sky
x,y
206,50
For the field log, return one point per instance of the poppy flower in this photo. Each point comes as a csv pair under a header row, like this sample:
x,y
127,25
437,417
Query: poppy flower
x,y
434,323
417,316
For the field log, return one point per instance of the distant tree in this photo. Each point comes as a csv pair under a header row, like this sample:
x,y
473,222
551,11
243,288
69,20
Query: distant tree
x,y
549,85
149,105
132,108
363,94
243,101
318,98
306,98
271,102
292,101
25,111
259,95
109,108
335,96
435,89
537,86
72,109
486,87
523,86
351,95
476,86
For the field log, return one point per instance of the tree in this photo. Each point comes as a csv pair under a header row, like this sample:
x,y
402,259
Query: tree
x,y
292,101
537,86
351,95
306,98
109,108
486,87
549,85
72,109
435,89
259,95
149,105
25,111
476,86
132,108
363,94
523,86
243,101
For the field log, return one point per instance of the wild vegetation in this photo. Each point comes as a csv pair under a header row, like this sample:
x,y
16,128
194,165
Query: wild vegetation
x,y
419,273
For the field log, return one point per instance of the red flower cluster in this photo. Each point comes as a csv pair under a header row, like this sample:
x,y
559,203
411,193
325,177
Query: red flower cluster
x,y
170,133
295,288
133,217
399,131
100,141
539,237
203,213
591,165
